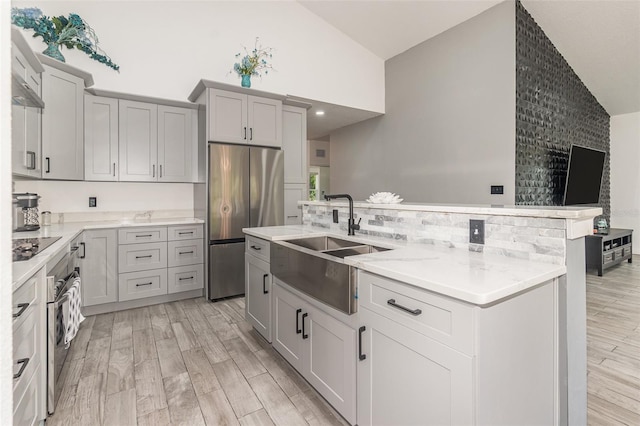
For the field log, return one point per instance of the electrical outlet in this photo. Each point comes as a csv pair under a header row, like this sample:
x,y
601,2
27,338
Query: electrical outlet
x,y
476,231
335,215
93,201
497,189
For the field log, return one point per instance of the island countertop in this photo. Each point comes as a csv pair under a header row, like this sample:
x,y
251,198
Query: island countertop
x,y
476,278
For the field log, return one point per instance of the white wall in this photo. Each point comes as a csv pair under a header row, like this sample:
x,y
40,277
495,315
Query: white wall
x,y
625,171
449,129
165,47
6,351
73,197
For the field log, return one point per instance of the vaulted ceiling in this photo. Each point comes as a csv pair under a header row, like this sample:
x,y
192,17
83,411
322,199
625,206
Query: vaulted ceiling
x,y
600,39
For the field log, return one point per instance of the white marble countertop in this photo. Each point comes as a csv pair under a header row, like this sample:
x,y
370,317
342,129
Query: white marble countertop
x,y
21,271
552,212
476,278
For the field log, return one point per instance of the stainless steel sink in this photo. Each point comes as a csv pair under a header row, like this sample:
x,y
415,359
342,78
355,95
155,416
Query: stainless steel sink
x,y
322,243
320,271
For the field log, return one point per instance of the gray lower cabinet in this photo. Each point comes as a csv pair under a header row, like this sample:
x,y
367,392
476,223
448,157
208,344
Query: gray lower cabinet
x,y
427,359
258,289
319,346
138,285
185,278
99,267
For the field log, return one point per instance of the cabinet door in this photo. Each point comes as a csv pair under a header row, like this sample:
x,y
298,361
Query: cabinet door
x,y
287,326
175,144
292,211
409,379
258,295
138,141
265,121
100,138
99,268
62,125
227,117
330,364
294,144
25,123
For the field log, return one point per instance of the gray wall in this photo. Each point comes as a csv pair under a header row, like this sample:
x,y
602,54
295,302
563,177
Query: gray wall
x,y
449,129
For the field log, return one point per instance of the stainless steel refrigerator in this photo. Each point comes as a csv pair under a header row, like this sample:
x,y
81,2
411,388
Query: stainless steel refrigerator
x,y
246,189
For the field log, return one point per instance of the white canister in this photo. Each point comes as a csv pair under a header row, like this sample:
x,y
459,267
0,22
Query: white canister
x,y
46,218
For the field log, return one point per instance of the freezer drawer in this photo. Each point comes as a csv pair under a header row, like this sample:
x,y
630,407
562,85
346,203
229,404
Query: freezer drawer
x,y
226,270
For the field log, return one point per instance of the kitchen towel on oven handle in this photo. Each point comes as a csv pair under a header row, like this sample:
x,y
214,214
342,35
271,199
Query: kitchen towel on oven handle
x,y
73,316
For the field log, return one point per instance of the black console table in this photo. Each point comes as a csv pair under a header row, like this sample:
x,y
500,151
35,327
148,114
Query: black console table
x,y
606,250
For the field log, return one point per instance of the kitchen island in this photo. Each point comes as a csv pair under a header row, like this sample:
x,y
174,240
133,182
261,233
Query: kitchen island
x,y
499,327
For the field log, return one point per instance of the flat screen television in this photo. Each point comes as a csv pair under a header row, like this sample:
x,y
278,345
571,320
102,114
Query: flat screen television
x,y
584,176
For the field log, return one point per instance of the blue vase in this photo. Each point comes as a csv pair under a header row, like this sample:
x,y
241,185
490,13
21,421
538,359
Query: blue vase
x,y
246,80
53,50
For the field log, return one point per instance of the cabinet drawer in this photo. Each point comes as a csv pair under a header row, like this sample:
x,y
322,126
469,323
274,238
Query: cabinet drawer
x,y
626,250
137,285
142,257
258,247
142,235
24,300
607,257
444,320
176,233
619,252
25,407
185,278
188,252
25,347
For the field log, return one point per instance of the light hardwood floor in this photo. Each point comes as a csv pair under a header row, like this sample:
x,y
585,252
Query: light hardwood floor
x,y
613,345
183,363
194,362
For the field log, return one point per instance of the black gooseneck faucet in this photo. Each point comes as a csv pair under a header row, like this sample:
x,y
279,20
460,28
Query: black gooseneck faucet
x,y
352,226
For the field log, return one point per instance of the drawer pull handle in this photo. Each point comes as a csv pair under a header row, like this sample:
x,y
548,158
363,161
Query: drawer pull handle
x,y
23,307
185,252
298,331
393,303
264,284
143,284
292,216
361,356
256,248
185,233
24,362
144,235
142,257
185,278
304,335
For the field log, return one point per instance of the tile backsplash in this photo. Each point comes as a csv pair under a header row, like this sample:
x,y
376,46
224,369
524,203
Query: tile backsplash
x,y
532,238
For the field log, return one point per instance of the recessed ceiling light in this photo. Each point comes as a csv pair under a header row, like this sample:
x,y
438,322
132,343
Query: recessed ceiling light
x,y
319,112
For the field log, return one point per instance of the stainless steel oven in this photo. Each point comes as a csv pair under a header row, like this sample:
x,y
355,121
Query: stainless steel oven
x,y
59,280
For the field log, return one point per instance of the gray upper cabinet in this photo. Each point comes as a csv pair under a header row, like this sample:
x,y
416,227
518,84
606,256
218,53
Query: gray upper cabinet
x,y
138,145
25,121
294,144
100,138
130,140
62,125
240,118
176,144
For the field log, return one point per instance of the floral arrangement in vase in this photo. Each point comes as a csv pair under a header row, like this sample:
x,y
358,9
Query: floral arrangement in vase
x,y
59,31
253,63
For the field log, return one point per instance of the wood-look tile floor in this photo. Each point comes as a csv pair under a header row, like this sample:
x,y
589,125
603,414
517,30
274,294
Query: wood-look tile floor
x,y
190,362
613,345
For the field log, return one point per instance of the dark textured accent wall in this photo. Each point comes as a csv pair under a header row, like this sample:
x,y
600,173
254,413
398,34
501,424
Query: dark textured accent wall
x,y
554,110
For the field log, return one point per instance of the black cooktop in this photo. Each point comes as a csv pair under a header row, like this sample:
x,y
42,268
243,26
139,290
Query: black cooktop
x,y
26,248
